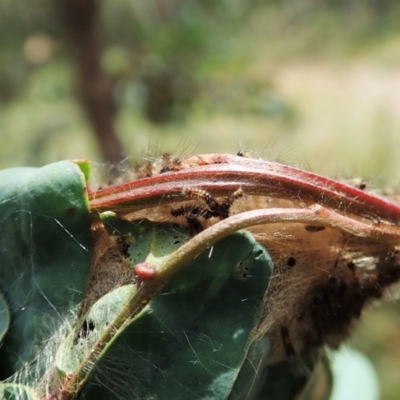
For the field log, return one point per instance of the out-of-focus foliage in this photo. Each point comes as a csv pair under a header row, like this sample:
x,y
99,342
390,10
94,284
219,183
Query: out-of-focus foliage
x,y
189,40
26,29
203,63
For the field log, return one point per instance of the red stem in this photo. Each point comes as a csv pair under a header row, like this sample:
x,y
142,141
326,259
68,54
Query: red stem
x,y
221,174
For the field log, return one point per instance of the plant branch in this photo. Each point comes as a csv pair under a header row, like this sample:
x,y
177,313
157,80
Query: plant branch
x,y
170,265
222,174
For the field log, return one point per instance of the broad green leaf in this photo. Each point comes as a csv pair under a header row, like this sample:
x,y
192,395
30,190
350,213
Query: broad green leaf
x,y
44,252
147,240
4,317
194,336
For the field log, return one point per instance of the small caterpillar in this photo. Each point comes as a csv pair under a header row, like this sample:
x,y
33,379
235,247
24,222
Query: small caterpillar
x,y
213,209
170,163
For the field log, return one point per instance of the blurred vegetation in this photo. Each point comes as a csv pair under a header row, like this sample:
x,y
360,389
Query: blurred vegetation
x,y
305,81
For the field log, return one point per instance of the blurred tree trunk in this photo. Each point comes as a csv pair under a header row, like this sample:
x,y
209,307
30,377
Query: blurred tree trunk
x,y
95,88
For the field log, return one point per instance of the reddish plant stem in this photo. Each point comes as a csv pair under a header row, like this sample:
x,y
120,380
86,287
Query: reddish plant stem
x,y
315,214
255,177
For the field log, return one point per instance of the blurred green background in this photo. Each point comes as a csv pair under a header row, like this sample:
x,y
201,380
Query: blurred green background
x,y
307,82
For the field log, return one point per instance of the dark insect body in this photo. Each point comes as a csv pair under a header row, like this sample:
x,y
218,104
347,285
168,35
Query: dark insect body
x,y
212,208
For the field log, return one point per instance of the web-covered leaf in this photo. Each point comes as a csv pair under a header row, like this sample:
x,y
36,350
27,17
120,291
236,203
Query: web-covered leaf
x,y
45,255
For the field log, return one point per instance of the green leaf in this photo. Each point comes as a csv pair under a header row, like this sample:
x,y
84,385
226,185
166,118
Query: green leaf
x,y
216,318
146,240
193,337
78,344
44,252
4,317
12,391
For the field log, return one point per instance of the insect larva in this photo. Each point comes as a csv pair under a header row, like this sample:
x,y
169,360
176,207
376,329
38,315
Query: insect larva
x,y
170,163
213,209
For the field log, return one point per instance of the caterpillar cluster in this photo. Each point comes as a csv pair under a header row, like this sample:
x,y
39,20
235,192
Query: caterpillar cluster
x,y
212,208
